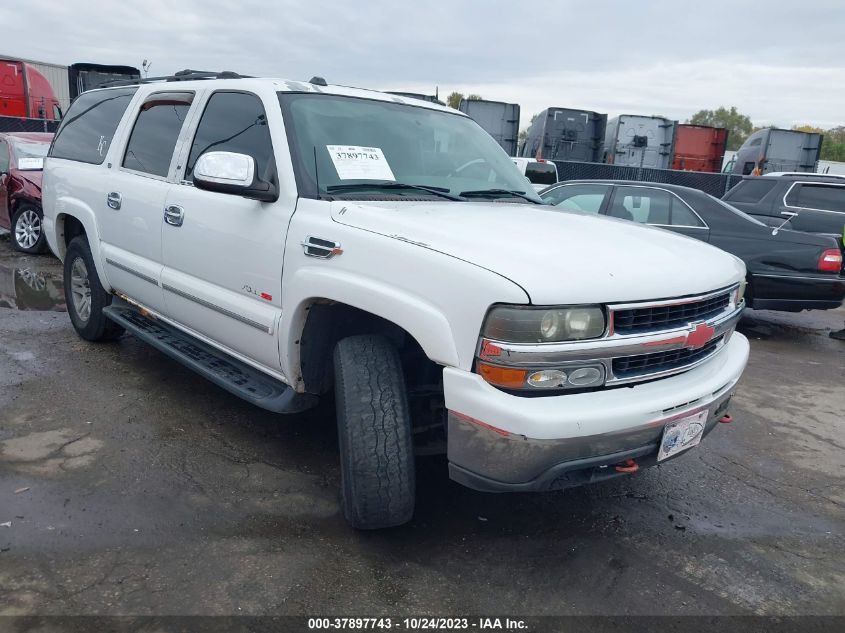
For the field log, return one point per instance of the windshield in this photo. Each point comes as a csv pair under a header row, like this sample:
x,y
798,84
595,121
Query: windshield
x,y
30,155
347,144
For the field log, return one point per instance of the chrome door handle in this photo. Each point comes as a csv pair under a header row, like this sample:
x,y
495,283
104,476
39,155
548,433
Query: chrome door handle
x,y
113,200
788,214
174,215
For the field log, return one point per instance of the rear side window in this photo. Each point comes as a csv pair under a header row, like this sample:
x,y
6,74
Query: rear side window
x,y
88,128
827,197
752,190
156,130
541,173
234,122
651,206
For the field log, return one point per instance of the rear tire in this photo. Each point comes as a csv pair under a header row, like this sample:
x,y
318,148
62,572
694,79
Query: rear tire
x,y
85,296
28,230
374,430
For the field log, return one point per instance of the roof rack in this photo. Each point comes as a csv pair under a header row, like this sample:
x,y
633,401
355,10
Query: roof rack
x,y
182,75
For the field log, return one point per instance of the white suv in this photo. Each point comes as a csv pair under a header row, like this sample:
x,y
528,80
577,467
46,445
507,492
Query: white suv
x,y
286,239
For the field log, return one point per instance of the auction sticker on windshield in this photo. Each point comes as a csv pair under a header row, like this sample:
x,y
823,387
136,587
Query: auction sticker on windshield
x,y
354,162
681,434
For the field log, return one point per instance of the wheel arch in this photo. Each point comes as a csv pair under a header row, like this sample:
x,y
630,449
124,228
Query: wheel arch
x,y
347,305
73,223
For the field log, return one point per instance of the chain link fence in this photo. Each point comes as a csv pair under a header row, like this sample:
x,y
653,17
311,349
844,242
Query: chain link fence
x,y
715,184
18,124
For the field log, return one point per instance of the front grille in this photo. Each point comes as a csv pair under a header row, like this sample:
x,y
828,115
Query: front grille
x,y
651,318
655,362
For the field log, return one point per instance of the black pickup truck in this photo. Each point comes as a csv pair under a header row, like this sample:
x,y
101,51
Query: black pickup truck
x,y
814,203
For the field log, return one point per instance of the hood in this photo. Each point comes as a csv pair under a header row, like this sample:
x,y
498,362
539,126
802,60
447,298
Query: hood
x,y
557,257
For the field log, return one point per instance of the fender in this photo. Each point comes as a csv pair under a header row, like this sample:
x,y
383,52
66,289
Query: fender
x,y
73,207
421,319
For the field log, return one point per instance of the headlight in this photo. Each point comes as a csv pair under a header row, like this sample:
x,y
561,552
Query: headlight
x,y
739,293
518,324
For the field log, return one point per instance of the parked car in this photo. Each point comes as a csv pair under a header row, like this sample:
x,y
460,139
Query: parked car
x,y
285,239
538,171
787,270
21,161
814,203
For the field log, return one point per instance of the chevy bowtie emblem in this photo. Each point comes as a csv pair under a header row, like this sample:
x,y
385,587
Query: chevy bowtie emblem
x,y
700,336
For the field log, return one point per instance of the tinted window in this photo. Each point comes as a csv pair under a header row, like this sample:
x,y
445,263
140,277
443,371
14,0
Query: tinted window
x,y
87,129
541,173
156,129
752,190
4,158
747,168
234,122
586,198
651,206
817,197
755,142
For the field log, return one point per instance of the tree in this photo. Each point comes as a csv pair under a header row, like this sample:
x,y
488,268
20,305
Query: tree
x,y
454,99
738,124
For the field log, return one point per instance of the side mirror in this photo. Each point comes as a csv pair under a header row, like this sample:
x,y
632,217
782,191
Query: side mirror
x,y
229,172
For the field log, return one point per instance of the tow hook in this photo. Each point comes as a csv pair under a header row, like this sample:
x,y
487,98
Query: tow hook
x,y
628,466
726,419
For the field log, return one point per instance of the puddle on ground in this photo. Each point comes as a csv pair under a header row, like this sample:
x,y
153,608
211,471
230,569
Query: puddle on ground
x,y
27,288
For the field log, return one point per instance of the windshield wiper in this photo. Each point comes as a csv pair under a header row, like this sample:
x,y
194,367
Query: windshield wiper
x,y
353,186
498,193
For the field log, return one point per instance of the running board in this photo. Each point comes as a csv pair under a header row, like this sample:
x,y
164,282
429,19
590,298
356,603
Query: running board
x,y
223,370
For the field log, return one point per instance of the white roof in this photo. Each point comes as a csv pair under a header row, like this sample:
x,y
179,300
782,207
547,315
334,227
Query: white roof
x,y
289,85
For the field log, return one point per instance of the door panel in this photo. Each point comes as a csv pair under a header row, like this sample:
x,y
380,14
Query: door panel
x,y
133,205
222,273
131,235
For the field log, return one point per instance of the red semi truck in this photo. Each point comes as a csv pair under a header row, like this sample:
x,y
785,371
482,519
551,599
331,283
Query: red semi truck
x,y
26,93
699,148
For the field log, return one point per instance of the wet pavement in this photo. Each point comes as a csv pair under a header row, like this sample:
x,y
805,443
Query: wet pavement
x,y
128,485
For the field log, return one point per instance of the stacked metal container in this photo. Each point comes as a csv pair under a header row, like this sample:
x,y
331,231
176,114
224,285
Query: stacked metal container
x,y
640,141
566,134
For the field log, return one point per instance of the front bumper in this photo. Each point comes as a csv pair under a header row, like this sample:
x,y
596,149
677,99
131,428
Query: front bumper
x,y
498,441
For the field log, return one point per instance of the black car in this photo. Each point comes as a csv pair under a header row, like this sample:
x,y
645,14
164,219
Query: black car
x,y
805,202
787,270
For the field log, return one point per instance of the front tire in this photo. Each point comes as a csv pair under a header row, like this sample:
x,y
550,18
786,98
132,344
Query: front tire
x,y
28,229
374,429
85,296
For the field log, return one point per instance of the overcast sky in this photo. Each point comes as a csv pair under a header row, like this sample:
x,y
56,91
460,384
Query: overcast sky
x,y
779,62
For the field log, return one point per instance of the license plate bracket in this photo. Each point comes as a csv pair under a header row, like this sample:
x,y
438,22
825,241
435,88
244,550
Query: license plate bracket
x,y
682,433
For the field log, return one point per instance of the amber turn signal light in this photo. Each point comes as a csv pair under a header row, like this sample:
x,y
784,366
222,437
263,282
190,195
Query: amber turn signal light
x,y
506,377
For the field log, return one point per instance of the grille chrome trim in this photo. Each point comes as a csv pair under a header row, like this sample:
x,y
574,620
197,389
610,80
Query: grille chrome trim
x,y
615,346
